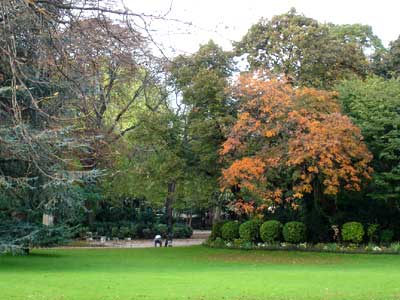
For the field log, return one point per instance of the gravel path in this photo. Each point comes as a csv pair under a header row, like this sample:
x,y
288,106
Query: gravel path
x,y
199,236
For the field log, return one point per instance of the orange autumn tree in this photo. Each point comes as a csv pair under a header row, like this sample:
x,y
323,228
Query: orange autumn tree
x,y
288,142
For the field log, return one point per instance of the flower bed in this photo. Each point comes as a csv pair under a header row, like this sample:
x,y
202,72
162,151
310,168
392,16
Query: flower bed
x,y
394,248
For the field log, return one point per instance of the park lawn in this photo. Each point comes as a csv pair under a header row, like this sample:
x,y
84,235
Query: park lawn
x,y
197,273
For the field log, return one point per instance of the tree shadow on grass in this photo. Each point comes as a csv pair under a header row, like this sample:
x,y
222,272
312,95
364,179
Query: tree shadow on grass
x,y
45,255
33,261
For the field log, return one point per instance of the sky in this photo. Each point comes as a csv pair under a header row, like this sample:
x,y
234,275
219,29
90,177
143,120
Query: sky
x,y
225,21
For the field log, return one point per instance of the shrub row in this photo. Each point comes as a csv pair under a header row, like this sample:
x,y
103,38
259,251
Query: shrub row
x,y
292,232
251,231
138,231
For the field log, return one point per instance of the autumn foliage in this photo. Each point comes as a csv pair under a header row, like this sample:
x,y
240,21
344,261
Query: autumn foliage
x,y
288,142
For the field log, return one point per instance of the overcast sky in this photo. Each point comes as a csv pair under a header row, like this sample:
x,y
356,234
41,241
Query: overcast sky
x,y
228,20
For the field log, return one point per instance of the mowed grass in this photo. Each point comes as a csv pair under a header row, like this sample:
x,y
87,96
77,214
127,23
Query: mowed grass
x,y
197,273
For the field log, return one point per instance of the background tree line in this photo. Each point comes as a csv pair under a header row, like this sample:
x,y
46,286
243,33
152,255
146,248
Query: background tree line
x,y
92,117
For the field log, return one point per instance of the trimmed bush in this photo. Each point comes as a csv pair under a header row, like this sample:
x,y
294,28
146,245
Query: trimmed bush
x,y
230,230
294,232
216,231
387,236
182,231
249,231
271,231
353,232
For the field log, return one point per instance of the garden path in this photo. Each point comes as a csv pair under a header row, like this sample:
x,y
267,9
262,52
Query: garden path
x,y
199,236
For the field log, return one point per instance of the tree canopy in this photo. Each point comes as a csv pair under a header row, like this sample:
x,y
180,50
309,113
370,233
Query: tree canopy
x,y
374,105
307,52
290,142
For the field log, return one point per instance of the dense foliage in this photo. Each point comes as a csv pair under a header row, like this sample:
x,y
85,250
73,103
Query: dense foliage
x,y
287,143
373,105
308,52
216,231
387,236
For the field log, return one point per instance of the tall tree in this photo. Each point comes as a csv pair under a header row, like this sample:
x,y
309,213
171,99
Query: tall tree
x,y
171,158
306,52
388,63
288,143
374,105
202,79
57,71
150,163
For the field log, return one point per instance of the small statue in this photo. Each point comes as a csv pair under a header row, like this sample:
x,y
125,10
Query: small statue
x,y
336,232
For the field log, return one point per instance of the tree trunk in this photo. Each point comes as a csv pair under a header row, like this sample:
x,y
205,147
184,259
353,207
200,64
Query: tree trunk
x,y
168,205
90,214
322,205
216,215
318,197
190,219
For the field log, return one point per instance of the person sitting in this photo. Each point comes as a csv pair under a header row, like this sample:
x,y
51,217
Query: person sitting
x,y
158,241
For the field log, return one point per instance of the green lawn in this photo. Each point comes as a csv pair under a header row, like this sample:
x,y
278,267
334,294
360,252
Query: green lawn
x,y
197,273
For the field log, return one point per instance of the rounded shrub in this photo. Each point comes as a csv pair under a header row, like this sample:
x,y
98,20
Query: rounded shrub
x,y
294,232
230,230
249,231
182,231
178,232
216,231
353,232
271,231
